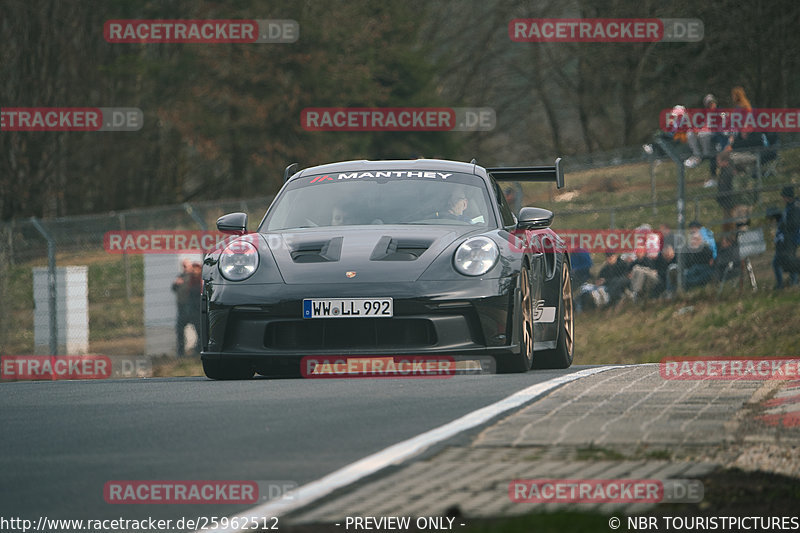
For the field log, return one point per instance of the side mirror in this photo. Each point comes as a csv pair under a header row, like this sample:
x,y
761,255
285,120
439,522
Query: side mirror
x,y
233,223
534,218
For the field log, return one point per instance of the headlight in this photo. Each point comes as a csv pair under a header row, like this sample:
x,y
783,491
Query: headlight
x,y
238,261
476,256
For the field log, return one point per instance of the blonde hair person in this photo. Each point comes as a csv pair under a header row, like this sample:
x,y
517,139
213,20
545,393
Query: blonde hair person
x,y
740,98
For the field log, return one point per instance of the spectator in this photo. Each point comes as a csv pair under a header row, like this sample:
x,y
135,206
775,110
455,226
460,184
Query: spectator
x,y
648,273
787,239
609,286
698,260
614,276
673,137
707,234
733,195
581,263
187,292
738,164
727,258
667,237
705,144
667,270
512,199
644,276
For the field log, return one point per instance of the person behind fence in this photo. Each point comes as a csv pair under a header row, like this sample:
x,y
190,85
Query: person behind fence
x,y
673,137
581,263
667,236
610,283
644,275
511,199
738,166
707,234
727,258
187,292
667,269
706,144
698,258
787,239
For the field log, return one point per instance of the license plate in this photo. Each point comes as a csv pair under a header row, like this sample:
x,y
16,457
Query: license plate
x,y
348,308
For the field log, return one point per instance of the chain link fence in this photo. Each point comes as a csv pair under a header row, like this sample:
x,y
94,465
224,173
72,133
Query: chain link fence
x,y
756,189
745,197
66,291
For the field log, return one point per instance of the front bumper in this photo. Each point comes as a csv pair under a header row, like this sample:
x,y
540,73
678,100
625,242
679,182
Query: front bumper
x,y
262,322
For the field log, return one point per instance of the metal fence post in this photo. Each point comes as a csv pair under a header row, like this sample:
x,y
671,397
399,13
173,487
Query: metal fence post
x,y
125,261
681,205
681,223
9,230
4,275
759,179
653,181
51,284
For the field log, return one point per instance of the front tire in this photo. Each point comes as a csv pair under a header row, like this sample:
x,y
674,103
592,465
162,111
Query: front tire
x,y
521,361
232,369
564,352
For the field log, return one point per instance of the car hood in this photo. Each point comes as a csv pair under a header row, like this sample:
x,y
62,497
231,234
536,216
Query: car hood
x,y
353,254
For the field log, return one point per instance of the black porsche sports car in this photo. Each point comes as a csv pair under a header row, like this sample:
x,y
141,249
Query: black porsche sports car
x,y
376,258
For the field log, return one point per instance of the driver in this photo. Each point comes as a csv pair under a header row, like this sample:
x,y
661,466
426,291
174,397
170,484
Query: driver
x,y
339,216
456,206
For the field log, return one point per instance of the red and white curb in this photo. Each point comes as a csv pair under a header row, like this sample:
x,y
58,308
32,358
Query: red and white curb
x,y
784,408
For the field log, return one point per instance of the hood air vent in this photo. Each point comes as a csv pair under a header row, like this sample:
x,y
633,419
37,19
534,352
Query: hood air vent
x,y
318,252
393,249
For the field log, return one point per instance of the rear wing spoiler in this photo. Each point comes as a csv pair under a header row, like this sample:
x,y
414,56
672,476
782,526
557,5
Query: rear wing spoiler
x,y
544,173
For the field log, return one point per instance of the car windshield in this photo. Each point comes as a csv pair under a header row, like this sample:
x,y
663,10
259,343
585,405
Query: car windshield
x,y
388,197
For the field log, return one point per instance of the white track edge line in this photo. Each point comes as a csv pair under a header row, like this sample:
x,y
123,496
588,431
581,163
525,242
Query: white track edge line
x,y
396,453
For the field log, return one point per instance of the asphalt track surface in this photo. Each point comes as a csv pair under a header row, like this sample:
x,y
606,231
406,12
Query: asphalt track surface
x,y
60,442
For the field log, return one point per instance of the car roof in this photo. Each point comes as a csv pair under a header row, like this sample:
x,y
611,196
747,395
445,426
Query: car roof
x,y
366,165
